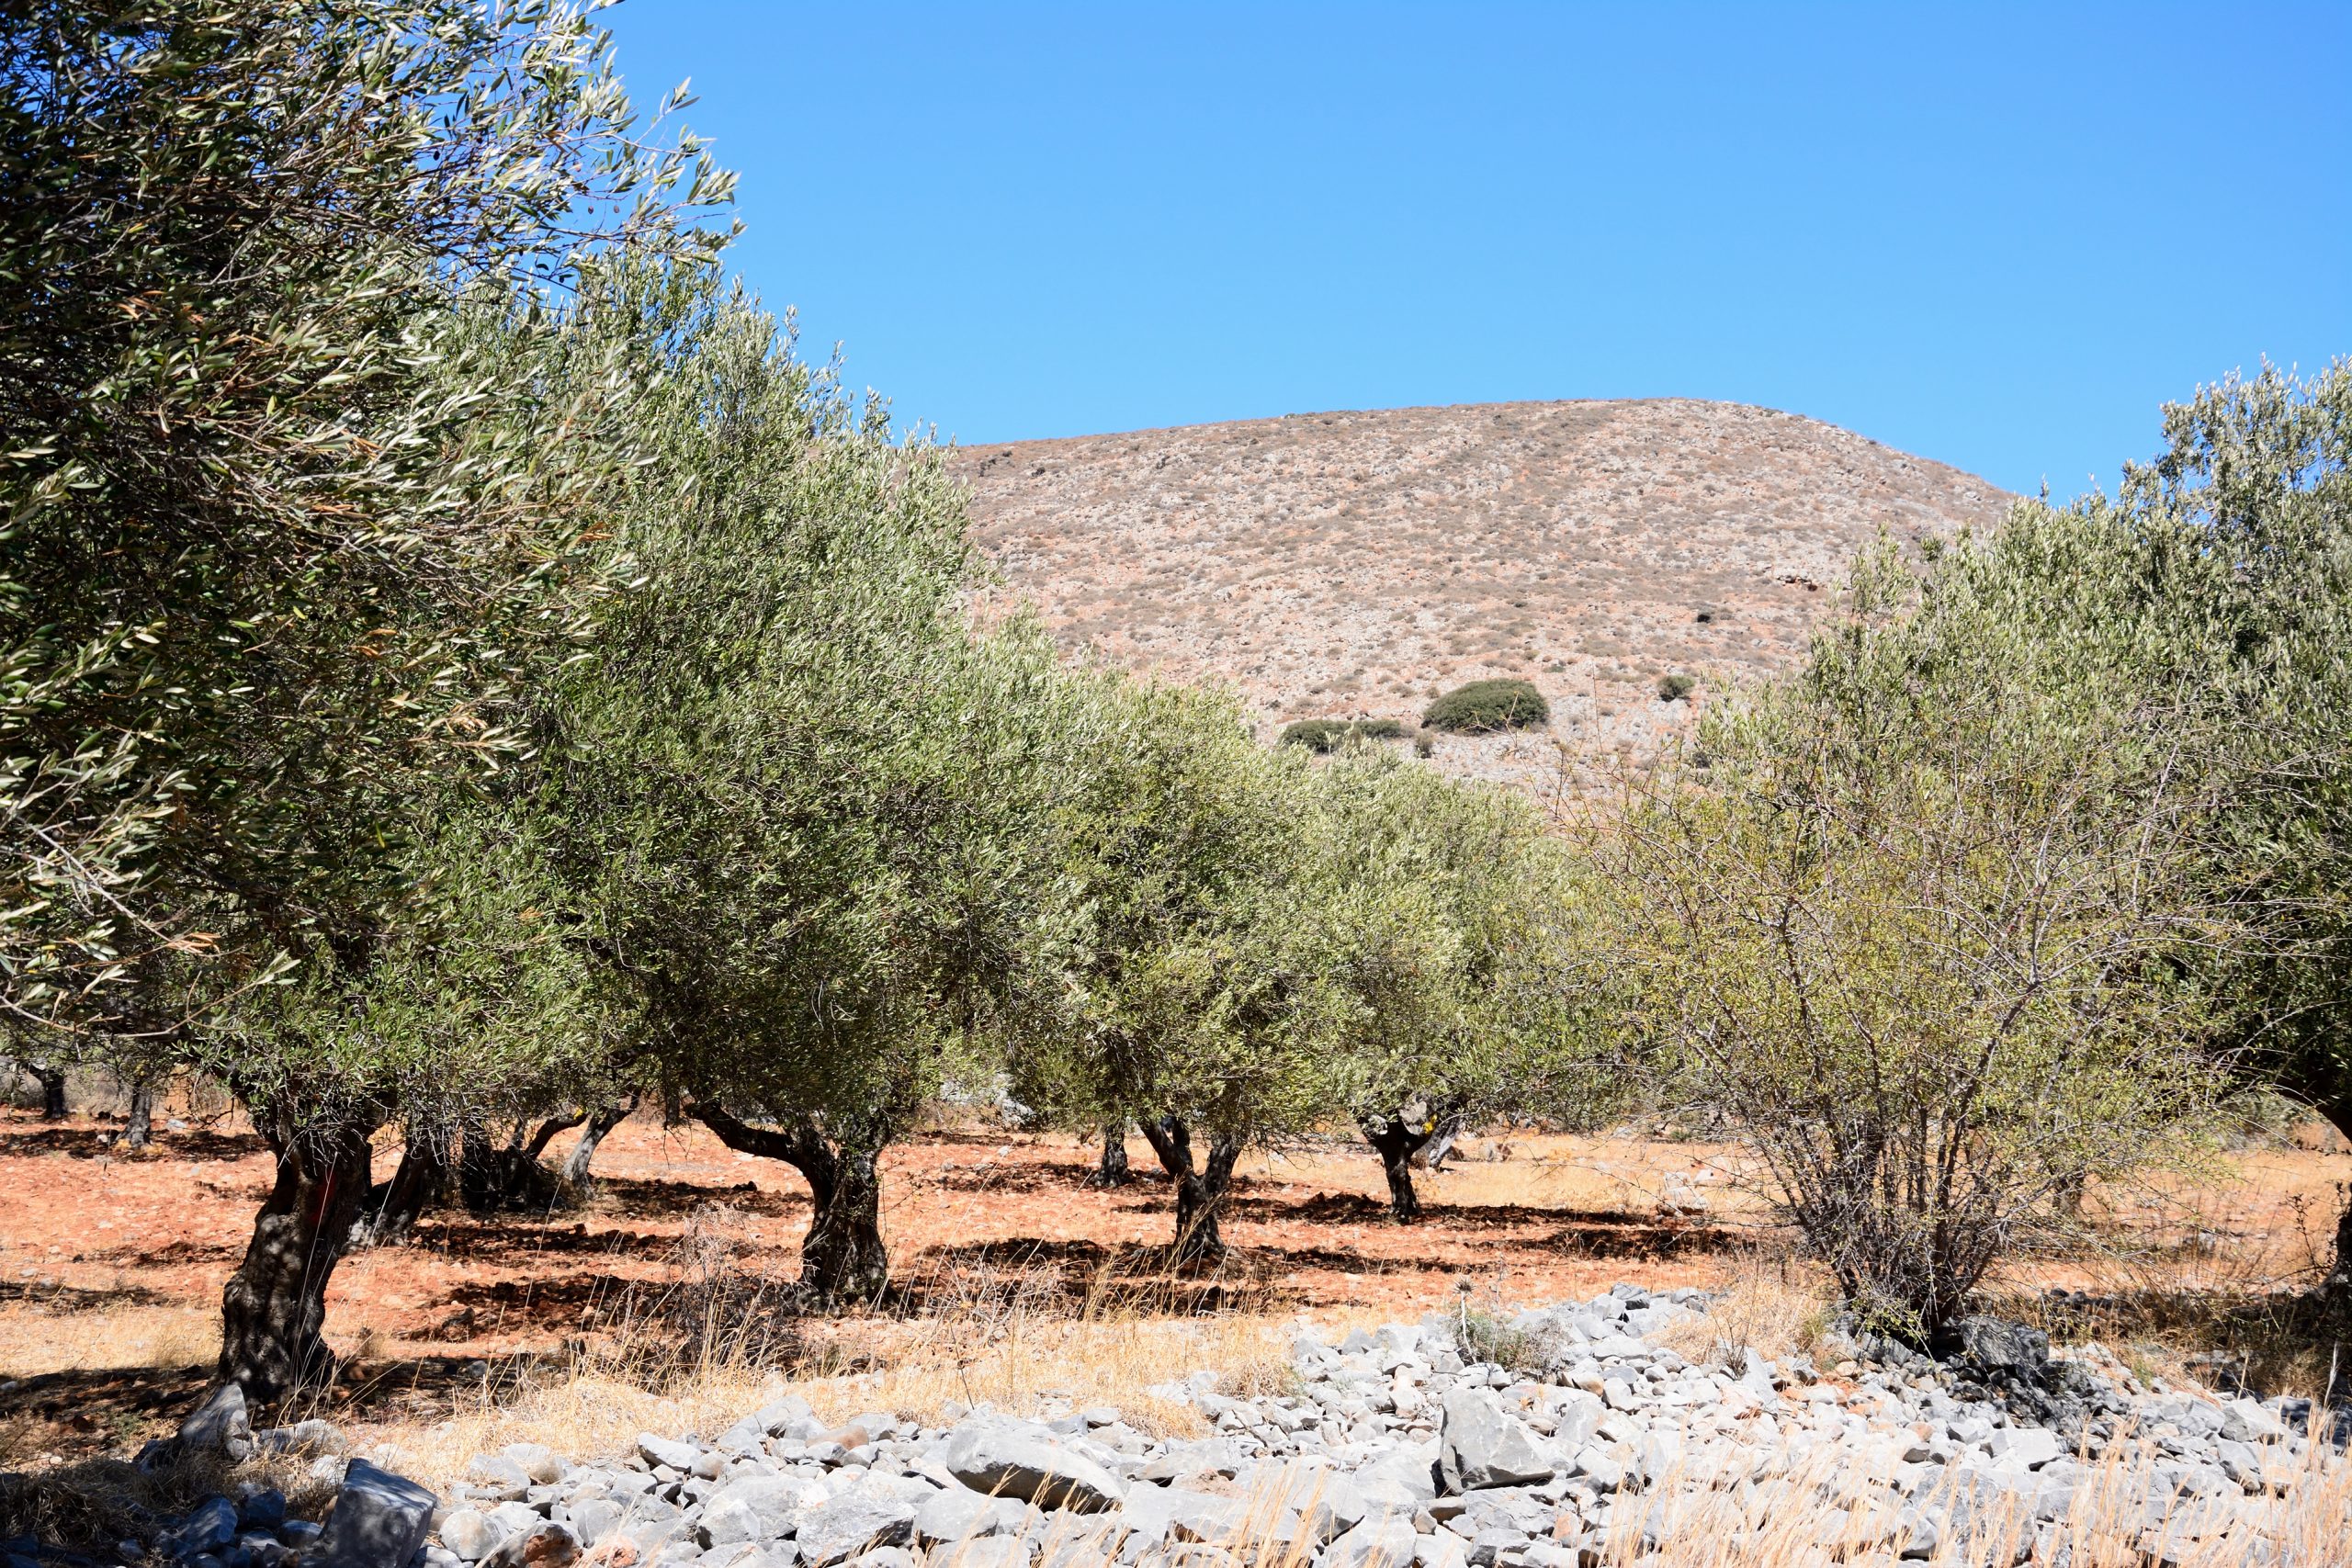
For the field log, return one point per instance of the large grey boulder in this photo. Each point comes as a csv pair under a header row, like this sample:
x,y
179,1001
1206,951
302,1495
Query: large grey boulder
x,y
1005,1460
1995,1349
1315,1502
1481,1444
961,1514
1401,1480
378,1521
757,1508
861,1518
212,1523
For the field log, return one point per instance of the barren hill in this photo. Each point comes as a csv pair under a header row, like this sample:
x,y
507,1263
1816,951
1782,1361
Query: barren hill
x,y
1358,564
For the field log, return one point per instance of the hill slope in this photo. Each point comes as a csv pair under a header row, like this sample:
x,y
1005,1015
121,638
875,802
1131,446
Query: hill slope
x,y
1357,564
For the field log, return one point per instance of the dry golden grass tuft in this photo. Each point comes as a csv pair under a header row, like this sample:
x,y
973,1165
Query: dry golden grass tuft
x,y
119,1336
1773,1305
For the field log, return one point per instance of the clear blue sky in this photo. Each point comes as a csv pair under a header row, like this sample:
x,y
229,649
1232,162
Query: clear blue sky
x,y
1997,236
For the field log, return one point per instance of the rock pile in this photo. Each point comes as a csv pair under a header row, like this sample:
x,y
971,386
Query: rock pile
x,y
1560,1438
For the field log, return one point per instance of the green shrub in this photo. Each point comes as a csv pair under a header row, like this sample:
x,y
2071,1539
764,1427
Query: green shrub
x,y
1323,735
1481,1336
1317,734
1674,688
1483,707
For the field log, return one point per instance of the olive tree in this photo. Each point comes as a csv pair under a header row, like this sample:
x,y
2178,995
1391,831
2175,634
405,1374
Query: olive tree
x,y
2214,592
1191,991
293,437
467,998
805,803
1451,929
1923,933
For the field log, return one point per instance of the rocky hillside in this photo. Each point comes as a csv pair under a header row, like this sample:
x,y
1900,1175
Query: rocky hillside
x,y
1357,564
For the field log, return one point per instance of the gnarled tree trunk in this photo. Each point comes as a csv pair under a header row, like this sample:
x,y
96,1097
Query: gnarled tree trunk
x,y
419,1181
842,1258
52,1093
1396,1141
1200,1188
573,1176
496,1177
1397,1135
139,1122
275,1304
1112,1171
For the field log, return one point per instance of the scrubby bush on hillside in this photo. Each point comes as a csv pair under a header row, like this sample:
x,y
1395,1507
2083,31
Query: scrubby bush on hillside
x,y
1674,688
1484,707
1325,735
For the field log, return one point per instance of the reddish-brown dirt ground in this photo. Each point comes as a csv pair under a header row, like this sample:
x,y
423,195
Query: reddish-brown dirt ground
x,y
111,1264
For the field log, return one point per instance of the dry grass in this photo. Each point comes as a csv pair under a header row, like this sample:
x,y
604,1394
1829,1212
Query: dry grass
x,y
718,1341
1773,1305
117,1337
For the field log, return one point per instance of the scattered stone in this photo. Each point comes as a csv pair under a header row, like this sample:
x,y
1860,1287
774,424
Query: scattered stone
x,y
540,1546
1374,1543
1480,1445
659,1450
380,1519
1388,1450
1002,1459
466,1533
859,1519
959,1514
212,1523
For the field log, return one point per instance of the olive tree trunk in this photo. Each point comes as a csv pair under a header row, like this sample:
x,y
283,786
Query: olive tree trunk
x,y
2336,1288
52,1093
419,1181
573,1176
1112,1171
139,1122
842,1258
275,1304
1200,1188
1396,1138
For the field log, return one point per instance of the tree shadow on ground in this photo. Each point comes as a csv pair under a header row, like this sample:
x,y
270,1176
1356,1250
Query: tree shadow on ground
x,y
1649,1240
1023,1177
59,1299
519,1242
647,1200
173,1253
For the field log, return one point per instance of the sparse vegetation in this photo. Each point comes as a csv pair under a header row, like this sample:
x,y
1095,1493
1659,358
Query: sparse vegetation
x,y
1324,736
1674,688
1487,707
